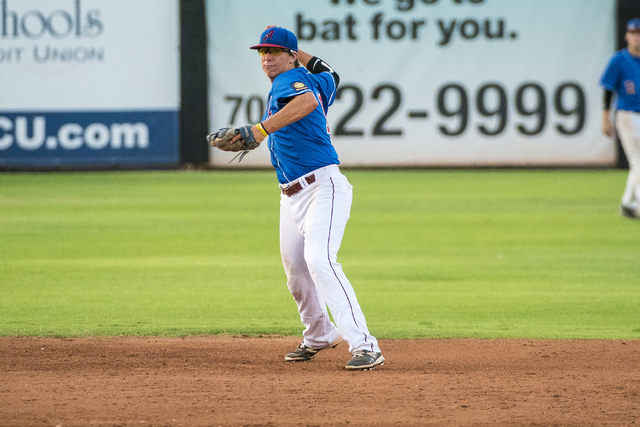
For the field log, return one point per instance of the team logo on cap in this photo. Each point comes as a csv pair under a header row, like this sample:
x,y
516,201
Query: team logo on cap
x,y
268,36
298,86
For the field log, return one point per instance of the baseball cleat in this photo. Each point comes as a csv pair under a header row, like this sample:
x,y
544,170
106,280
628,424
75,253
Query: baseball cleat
x,y
628,212
303,353
364,360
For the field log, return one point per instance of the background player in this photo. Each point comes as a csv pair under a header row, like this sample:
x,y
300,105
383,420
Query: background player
x,y
315,202
622,76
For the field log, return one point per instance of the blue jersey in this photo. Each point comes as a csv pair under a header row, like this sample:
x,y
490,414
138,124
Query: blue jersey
x,y
305,145
622,76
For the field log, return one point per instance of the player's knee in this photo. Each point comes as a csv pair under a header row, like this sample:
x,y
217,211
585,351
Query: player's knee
x,y
319,263
298,284
294,267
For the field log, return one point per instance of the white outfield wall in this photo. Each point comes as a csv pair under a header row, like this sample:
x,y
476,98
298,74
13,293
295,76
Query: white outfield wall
x,y
431,82
89,82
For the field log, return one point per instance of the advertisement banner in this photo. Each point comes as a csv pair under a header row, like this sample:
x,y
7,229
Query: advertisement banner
x,y
89,83
431,82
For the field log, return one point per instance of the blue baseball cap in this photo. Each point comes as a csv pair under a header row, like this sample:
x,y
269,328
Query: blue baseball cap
x,y
633,25
278,37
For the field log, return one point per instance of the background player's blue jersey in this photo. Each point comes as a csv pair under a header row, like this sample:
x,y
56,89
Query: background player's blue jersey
x,y
622,76
305,145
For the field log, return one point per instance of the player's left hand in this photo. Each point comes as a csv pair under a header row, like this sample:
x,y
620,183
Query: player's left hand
x,y
242,139
236,139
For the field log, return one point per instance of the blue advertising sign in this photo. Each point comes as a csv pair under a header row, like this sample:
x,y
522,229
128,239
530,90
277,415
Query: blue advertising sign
x,y
88,138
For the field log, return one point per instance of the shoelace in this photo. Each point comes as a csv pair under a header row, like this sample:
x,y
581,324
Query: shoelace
x,y
359,353
303,347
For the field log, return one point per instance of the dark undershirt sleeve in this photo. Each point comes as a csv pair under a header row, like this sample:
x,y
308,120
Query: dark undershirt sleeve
x,y
606,102
317,65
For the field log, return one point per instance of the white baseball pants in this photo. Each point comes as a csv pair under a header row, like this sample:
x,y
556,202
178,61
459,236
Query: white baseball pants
x,y
312,224
628,127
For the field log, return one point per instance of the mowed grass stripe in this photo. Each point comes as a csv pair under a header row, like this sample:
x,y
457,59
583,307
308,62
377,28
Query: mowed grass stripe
x,y
433,253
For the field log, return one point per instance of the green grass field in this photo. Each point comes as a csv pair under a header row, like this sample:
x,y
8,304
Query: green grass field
x,y
435,253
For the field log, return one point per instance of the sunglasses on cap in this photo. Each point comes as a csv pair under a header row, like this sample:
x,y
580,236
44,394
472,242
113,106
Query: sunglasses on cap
x,y
275,51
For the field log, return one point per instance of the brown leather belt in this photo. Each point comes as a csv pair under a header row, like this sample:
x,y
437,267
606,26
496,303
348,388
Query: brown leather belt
x,y
296,186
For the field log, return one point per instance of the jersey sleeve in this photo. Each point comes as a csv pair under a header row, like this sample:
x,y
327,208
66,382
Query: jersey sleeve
x,y
610,76
327,86
290,85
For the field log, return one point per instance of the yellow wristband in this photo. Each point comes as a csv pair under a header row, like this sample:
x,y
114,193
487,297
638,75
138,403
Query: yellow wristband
x,y
262,130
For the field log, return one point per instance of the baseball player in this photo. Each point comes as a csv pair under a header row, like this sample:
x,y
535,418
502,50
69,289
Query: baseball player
x,y
315,199
622,77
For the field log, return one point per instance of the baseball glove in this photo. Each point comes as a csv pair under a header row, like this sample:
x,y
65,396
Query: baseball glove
x,y
222,139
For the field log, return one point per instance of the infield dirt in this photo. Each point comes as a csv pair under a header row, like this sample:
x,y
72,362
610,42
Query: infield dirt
x,y
229,381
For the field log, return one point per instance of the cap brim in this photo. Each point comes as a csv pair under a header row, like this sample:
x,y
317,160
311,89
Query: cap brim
x,y
258,46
